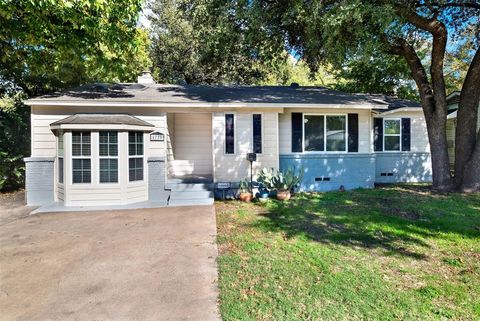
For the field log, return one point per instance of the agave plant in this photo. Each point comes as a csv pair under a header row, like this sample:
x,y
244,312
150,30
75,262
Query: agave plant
x,y
275,180
266,177
244,186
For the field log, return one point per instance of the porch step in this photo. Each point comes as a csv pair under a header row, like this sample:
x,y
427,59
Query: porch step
x,y
186,187
184,194
205,201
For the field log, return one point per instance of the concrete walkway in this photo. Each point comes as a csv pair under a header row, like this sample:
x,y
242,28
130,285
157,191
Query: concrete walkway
x,y
150,264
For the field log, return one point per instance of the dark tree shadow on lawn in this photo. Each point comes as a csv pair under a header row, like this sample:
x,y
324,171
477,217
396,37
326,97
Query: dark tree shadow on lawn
x,y
397,220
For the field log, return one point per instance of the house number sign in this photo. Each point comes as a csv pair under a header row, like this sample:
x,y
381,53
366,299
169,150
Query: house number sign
x,y
157,137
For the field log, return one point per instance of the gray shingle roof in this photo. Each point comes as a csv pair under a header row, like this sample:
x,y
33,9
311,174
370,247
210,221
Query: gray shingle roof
x,y
173,94
396,103
102,119
453,98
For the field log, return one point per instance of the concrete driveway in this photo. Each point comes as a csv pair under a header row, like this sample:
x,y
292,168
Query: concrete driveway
x,y
153,264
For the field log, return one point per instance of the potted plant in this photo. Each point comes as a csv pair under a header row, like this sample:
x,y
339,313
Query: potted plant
x,y
245,192
263,192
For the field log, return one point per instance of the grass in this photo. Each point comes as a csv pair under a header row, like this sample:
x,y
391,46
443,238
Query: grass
x,y
395,253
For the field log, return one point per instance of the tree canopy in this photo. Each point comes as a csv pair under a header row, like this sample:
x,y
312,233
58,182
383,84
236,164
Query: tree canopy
x,y
47,45
365,41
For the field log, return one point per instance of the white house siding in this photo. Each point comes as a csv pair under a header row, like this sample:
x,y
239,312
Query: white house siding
x,y
44,144
364,127
419,135
412,166
233,168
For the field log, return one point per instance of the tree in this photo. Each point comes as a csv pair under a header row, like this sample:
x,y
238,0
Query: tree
x,y
336,31
205,42
49,45
380,74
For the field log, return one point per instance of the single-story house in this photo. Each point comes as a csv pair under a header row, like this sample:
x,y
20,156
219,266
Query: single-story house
x,y
117,144
452,104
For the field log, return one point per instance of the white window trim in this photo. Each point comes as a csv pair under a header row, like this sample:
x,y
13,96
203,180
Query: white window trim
x,y
136,156
392,135
262,119
109,157
234,134
81,157
324,134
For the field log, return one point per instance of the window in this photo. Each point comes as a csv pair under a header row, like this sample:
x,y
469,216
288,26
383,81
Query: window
x,y
314,133
325,133
257,133
336,133
135,156
81,152
392,134
60,157
108,152
229,134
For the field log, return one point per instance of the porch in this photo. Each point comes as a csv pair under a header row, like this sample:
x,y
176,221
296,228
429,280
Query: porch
x,y
189,158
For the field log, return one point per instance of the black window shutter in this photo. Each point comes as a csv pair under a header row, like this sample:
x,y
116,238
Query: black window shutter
x,y
406,136
352,133
297,132
378,134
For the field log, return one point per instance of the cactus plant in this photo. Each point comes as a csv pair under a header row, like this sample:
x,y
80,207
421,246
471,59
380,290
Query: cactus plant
x,y
280,181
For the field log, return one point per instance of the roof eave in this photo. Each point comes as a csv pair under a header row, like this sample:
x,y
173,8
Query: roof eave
x,y
36,102
105,126
399,110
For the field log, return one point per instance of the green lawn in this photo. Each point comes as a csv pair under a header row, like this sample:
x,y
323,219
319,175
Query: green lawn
x,y
395,253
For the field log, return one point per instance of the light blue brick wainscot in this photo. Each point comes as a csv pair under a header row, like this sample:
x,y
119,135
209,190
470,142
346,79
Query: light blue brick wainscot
x,y
326,172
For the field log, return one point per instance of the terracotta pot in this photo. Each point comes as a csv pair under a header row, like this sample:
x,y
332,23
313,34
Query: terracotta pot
x,y
246,197
283,195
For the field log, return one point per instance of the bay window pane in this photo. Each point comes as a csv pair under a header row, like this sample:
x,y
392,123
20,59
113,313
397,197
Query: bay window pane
x,y
103,137
113,150
60,169
336,133
108,171
135,143
103,149
76,137
314,133
135,169
81,170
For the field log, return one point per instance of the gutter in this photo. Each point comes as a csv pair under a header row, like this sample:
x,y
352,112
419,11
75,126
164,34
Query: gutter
x,y
38,102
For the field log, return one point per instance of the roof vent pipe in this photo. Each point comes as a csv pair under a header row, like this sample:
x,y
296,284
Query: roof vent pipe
x,y
294,85
145,78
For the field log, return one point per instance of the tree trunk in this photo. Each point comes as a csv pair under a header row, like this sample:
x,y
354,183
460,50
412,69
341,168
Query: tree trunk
x,y
437,137
467,141
471,180
435,110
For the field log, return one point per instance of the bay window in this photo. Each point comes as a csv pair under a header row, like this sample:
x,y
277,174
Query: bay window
x,y
135,156
81,157
108,153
